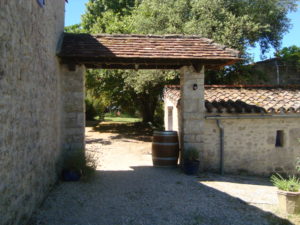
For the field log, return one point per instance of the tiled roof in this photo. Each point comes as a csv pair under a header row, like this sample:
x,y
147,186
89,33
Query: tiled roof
x,y
246,99
172,47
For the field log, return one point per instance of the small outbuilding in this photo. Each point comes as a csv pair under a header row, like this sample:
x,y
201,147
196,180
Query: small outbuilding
x,y
247,129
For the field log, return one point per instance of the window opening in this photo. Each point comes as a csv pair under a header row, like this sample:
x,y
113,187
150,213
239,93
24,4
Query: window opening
x,y
279,138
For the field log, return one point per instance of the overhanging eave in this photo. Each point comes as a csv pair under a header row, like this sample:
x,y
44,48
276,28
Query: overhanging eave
x,y
144,63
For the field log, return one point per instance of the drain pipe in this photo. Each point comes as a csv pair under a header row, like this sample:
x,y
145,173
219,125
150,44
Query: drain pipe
x,y
221,128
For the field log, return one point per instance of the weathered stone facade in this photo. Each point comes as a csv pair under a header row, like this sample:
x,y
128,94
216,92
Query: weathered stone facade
x,y
30,105
249,146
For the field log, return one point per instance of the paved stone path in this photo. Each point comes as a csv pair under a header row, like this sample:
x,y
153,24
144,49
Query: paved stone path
x,y
127,190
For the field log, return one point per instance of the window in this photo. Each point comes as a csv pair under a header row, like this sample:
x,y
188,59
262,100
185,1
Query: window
x,y
279,138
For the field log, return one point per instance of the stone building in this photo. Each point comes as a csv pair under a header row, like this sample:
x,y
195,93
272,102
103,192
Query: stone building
x,y
41,105
42,92
247,129
276,72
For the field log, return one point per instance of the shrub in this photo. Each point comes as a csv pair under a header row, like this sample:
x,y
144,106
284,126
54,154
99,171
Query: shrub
x,y
292,183
90,112
158,120
191,154
81,162
93,108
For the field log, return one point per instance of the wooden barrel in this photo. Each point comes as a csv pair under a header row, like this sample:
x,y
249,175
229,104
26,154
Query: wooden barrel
x,y
165,148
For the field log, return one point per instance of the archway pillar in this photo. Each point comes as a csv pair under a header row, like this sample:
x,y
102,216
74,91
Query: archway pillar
x,y
192,107
73,109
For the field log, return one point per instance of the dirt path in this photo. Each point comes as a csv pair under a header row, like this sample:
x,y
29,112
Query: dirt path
x,y
127,190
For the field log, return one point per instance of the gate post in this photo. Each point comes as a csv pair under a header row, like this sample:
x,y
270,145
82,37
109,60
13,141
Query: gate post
x,y
192,108
73,109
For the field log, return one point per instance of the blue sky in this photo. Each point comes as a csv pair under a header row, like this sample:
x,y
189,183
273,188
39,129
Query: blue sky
x,y
75,8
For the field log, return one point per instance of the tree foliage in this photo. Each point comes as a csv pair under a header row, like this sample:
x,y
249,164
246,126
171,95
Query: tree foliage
x,y
290,55
102,14
234,23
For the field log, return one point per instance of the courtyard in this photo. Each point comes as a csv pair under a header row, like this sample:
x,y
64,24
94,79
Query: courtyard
x,y
127,190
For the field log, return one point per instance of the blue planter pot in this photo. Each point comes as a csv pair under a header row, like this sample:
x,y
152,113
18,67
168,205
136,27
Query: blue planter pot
x,y
191,167
71,175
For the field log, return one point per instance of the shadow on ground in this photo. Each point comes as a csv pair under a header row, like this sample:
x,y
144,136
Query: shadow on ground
x,y
147,196
137,131
98,140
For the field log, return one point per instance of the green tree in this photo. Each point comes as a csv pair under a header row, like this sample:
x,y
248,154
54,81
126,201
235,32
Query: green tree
x,y
234,23
290,55
76,28
98,10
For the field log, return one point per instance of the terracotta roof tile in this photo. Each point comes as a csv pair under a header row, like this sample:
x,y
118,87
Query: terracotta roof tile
x,y
246,99
145,47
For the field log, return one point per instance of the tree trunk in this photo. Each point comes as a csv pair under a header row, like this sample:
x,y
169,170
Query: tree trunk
x,y
148,105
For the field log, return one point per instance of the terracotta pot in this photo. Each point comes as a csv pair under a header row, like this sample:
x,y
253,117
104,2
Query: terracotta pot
x,y
289,202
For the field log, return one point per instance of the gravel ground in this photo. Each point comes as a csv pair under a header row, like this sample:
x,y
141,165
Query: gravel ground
x,y
127,190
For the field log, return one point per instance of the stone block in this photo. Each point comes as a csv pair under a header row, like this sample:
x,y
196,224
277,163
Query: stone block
x,y
193,127
191,106
193,116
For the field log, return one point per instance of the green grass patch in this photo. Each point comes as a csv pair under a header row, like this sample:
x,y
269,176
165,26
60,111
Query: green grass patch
x,y
122,118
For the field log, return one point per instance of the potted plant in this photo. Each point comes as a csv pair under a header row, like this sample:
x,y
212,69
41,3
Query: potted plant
x,y
72,167
288,193
77,165
191,161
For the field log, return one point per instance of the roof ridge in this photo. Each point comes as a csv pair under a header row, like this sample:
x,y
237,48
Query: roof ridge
x,y
154,36
242,86
253,86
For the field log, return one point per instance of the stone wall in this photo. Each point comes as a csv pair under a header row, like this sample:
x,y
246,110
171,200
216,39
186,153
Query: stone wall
x,y
30,105
249,146
276,72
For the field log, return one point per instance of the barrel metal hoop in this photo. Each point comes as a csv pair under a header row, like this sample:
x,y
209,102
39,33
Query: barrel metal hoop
x,y
162,143
165,133
164,158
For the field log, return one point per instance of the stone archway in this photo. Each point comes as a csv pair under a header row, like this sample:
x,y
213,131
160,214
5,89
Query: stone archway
x,y
190,54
